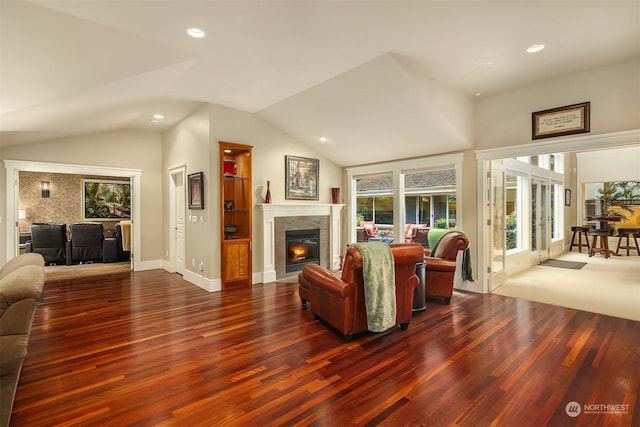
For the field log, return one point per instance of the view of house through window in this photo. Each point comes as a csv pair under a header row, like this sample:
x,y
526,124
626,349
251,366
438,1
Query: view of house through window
x,y
430,200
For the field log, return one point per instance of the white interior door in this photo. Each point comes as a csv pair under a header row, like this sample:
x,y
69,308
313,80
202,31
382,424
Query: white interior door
x,y
497,227
177,246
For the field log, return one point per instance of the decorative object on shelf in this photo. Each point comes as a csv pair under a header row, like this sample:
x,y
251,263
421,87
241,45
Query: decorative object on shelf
x,y
196,190
567,120
301,178
229,205
335,195
230,230
230,168
267,197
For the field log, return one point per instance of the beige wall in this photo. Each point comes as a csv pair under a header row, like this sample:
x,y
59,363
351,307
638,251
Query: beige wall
x,y
126,149
188,143
504,119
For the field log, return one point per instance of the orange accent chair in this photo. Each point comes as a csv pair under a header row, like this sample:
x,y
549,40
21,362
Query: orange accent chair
x,y
370,228
339,300
410,231
441,265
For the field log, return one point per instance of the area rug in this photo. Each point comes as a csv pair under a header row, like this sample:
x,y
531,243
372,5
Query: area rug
x,y
572,265
63,272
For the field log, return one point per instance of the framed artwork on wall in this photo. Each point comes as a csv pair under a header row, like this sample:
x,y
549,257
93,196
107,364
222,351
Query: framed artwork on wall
x,y
106,200
561,121
301,178
196,190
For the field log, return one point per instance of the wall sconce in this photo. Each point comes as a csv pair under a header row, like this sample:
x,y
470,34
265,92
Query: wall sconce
x,y
45,186
22,214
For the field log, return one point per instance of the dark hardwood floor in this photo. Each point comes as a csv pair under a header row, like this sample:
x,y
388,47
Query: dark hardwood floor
x,y
148,348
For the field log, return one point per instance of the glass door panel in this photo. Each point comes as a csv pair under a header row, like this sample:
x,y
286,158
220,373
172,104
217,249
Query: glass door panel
x,y
540,219
498,239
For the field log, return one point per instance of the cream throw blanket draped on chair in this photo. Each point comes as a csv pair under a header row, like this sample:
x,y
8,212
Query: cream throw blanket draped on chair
x,y
379,285
126,235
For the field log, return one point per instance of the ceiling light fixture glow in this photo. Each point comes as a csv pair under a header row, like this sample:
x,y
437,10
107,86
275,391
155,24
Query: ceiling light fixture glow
x,y
154,121
158,116
535,48
196,33
323,139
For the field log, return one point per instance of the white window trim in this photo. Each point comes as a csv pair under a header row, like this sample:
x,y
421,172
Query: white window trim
x,y
399,169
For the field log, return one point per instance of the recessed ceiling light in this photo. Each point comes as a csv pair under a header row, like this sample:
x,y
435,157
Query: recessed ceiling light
x,y
323,139
477,93
195,33
154,121
158,116
535,48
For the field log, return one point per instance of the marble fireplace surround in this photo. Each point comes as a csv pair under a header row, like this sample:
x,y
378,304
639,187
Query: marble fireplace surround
x,y
298,216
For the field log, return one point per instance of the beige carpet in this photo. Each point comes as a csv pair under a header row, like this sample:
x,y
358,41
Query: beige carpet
x,y
606,286
63,272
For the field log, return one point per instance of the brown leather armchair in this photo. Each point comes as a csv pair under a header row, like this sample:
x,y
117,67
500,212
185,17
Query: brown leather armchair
x,y
339,300
441,265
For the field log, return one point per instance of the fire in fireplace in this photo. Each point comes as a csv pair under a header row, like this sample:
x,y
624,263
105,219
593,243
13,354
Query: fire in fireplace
x,y
303,247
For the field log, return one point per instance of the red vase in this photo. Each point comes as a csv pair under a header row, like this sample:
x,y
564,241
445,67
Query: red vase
x,y
267,197
335,195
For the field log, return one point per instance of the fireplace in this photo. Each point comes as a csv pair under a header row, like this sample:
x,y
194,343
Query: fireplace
x,y
302,247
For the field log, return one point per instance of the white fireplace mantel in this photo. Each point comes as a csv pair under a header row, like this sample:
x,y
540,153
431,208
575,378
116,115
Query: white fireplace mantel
x,y
270,211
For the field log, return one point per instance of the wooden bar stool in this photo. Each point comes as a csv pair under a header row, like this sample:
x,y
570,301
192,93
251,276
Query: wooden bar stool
x,y
579,231
627,233
604,242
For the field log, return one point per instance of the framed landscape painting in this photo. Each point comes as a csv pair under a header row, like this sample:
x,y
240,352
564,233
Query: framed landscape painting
x,y
106,200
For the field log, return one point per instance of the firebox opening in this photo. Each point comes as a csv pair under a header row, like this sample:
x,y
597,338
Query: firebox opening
x,y
303,247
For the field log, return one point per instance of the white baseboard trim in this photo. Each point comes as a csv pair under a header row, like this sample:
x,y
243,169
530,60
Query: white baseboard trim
x,y
209,285
148,265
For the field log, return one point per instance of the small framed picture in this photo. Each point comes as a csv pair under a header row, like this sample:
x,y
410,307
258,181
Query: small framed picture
x,y
196,190
567,197
229,205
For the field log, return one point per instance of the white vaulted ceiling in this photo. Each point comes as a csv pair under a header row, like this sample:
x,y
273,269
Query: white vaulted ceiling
x,y
366,74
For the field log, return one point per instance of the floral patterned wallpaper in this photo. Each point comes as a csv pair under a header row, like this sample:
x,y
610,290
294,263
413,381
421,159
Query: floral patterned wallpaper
x,y
64,204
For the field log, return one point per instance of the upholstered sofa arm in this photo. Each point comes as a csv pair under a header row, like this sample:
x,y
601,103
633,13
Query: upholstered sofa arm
x,y
440,264
324,279
20,261
19,293
25,282
13,350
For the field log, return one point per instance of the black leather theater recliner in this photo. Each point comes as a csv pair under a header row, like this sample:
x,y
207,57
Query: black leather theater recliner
x,y
48,240
88,244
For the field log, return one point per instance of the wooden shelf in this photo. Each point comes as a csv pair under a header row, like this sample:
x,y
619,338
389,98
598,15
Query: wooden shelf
x,y
236,192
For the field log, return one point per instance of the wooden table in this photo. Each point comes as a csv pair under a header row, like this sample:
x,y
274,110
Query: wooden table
x,y
603,224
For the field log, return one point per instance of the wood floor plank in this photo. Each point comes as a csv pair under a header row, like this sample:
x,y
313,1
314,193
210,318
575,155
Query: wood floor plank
x,y
148,348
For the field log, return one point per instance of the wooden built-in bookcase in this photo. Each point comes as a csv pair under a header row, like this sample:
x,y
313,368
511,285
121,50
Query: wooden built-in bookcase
x,y
236,208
